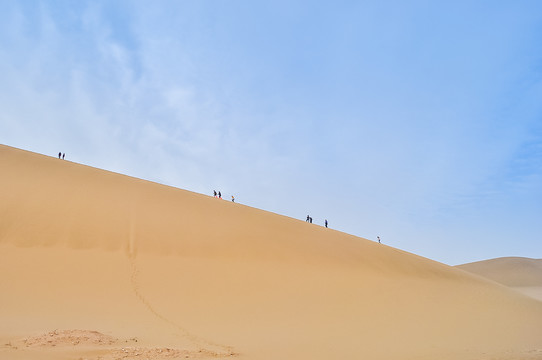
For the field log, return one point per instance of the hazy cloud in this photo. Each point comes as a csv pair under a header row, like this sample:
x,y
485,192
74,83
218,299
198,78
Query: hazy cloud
x,y
417,122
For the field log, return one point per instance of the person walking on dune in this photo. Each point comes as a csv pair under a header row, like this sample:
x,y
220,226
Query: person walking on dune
x,y
63,154
219,195
308,217
214,192
325,223
378,237
232,199
59,155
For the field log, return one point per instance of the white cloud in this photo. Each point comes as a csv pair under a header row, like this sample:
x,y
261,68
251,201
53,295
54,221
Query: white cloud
x,y
397,135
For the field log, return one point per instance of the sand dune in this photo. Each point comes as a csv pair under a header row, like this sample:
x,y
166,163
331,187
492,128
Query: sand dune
x,y
521,274
98,265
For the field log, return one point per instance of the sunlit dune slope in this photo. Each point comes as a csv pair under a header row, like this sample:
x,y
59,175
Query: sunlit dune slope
x,y
164,268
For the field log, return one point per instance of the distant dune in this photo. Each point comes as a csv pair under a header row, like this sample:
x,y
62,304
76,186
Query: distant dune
x,y
98,265
509,271
521,274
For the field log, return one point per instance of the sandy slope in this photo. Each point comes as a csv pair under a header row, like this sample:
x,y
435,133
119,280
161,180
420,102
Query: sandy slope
x,y
98,265
521,274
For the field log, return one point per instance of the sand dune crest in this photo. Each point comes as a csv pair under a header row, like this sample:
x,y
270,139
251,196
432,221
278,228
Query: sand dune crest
x,y
83,248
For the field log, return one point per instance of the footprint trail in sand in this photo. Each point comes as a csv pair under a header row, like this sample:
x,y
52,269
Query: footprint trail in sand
x,y
208,346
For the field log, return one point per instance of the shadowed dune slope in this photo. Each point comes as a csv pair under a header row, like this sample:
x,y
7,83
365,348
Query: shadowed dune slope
x,y
143,268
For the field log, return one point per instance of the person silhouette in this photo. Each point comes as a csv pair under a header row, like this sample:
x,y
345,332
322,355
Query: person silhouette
x,y
232,199
214,192
325,222
378,237
308,217
219,195
64,154
59,155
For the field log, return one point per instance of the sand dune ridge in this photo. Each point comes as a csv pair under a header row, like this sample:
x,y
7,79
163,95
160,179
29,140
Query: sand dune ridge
x,y
83,248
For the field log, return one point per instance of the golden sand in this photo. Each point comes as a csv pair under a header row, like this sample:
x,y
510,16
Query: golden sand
x,y
97,265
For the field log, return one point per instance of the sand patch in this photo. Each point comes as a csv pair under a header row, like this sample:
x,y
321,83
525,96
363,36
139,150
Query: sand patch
x,y
93,345
70,338
161,353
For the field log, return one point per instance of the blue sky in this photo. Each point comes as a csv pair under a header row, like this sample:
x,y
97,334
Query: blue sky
x,y
419,122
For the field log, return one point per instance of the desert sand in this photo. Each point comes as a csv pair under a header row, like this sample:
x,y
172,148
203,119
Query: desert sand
x,y
521,274
98,265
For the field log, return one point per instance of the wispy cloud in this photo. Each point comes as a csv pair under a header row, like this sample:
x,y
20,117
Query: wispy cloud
x,y
419,122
